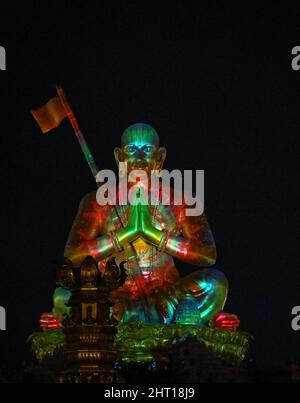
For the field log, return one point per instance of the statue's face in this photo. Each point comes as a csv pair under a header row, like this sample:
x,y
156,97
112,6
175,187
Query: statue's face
x,y
140,155
141,152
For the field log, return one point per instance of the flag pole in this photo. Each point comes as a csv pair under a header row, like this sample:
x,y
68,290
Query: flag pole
x,y
83,144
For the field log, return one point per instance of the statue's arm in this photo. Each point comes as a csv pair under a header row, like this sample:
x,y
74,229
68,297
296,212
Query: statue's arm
x,y
86,238
196,244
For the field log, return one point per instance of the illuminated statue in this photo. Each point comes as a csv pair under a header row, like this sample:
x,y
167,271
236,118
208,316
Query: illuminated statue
x,y
148,237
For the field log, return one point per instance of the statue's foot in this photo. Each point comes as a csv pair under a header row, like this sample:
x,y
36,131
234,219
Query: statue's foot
x,y
49,321
227,321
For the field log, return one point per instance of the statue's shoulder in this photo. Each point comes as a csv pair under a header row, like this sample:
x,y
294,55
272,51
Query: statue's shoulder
x,y
89,201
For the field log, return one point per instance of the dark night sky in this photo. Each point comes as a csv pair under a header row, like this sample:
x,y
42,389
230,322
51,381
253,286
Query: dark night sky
x,y
216,82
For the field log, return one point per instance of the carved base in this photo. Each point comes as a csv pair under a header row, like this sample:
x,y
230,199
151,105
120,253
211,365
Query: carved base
x,y
90,375
89,355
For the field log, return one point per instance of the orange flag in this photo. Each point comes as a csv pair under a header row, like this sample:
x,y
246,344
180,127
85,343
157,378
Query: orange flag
x,y
50,115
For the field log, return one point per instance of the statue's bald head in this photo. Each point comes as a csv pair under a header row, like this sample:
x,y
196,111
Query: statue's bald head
x,y
139,134
140,148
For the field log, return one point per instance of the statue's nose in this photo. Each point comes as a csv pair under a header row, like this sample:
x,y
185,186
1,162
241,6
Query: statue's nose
x,y
140,153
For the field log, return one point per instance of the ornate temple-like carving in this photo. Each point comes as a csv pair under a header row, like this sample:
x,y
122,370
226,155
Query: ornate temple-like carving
x,y
89,353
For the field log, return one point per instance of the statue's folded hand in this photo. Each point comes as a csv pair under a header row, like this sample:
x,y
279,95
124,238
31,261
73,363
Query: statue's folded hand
x,y
149,232
132,231
140,225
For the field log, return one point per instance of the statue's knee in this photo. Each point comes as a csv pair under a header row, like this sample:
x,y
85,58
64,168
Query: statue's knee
x,y
220,283
213,290
210,281
217,277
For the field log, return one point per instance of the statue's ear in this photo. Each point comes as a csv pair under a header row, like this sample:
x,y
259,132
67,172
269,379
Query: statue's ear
x,y
118,153
161,156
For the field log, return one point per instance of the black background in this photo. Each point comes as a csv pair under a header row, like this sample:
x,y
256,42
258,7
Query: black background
x,y
217,84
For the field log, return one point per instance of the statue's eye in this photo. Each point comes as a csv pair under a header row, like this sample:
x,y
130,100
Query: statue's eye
x,y
148,149
130,149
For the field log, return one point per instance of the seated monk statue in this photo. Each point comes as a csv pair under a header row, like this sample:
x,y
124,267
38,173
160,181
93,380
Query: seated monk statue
x,y
149,238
